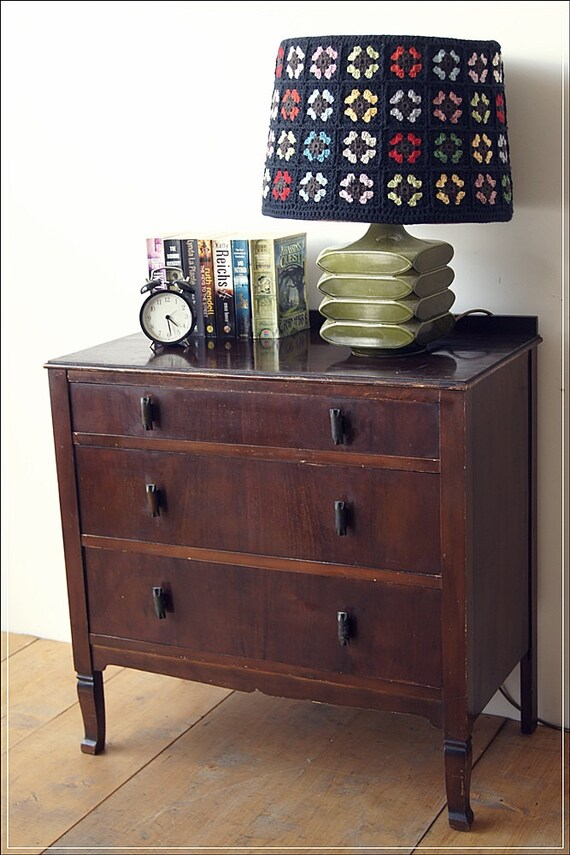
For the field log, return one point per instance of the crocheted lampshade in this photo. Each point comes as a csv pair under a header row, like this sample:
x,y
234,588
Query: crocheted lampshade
x,y
387,130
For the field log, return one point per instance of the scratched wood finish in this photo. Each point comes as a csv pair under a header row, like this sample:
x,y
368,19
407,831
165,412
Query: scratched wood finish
x,y
256,609
268,507
375,425
416,466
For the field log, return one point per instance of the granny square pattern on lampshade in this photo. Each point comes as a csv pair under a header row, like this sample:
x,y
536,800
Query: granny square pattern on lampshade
x,y
388,129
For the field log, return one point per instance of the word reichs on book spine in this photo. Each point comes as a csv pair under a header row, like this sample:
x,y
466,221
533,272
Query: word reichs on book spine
x,y
224,287
278,284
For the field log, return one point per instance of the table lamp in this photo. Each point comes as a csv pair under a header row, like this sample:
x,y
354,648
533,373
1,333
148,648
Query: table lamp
x,y
388,131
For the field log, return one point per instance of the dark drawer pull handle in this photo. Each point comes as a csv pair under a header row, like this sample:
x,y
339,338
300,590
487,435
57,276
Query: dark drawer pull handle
x,y
153,497
343,628
159,599
340,517
337,426
146,412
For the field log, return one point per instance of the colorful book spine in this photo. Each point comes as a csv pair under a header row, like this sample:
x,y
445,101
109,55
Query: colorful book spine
x,y
292,301
191,271
278,283
242,289
207,286
173,257
224,287
154,255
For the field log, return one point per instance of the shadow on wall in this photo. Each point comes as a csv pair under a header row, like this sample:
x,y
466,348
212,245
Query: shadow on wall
x,y
534,117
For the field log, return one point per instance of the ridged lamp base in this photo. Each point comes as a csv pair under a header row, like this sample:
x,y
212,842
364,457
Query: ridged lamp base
x,y
386,293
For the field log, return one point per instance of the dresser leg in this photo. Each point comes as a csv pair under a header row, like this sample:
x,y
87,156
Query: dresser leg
x,y
92,703
457,753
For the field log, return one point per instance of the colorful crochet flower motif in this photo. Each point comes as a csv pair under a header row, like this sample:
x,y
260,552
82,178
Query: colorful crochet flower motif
x,y
317,146
356,188
448,147
295,62
270,144
482,148
502,149
281,185
406,105
405,148
320,105
286,145
480,104
500,105
279,61
405,191
266,183
362,62
290,104
478,67
507,189
447,107
359,147
446,65
313,187
450,189
275,99
497,64
485,186
361,105
324,62
406,62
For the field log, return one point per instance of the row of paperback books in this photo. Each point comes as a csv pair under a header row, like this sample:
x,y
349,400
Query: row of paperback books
x,y
244,286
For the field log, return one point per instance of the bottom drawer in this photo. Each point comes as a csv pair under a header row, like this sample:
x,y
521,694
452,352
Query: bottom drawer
x,y
270,616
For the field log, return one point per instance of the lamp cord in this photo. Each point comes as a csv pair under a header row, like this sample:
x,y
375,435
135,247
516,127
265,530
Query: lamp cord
x,y
474,312
517,706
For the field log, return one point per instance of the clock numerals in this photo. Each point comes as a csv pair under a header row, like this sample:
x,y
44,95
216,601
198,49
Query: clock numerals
x,y
167,318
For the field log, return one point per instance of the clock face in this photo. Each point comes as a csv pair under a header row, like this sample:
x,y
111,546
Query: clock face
x,y
166,317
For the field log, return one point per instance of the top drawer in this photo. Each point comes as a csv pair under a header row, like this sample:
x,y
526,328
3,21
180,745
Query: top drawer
x,y
322,421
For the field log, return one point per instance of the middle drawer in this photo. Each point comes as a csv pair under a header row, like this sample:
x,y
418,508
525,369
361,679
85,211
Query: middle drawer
x,y
343,514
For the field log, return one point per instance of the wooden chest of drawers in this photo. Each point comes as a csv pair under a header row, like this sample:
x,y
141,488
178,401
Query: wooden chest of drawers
x,y
289,518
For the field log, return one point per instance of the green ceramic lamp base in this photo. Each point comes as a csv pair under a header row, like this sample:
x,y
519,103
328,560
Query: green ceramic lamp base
x,y
386,293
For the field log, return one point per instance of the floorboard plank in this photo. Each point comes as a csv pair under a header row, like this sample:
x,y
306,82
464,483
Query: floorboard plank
x,y
517,797
12,642
255,772
40,684
52,785
269,772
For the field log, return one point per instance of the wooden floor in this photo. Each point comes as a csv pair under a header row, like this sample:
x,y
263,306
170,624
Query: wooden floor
x,y
192,768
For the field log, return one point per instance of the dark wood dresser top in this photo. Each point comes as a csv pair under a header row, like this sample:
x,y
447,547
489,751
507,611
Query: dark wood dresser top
x,y
477,344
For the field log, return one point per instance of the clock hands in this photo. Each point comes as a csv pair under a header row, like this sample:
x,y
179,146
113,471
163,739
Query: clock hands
x,y
169,320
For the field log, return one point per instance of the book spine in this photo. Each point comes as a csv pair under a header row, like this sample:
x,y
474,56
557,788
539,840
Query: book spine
x,y
242,289
207,286
191,271
224,288
292,303
154,255
173,257
264,314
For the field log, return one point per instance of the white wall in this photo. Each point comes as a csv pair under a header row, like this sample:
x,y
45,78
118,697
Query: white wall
x,y
124,119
